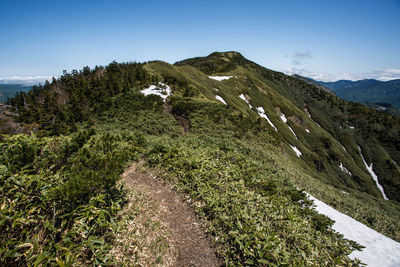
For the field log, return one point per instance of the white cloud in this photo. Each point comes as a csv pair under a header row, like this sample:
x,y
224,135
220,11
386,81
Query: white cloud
x,y
382,75
26,80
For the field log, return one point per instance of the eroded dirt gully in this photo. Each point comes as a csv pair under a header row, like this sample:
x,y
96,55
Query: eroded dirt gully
x,y
191,242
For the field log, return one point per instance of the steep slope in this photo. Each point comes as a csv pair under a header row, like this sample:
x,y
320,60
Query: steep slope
x,y
316,84
235,138
339,129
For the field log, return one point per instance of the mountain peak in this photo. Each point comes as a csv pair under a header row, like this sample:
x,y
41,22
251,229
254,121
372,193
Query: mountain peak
x,y
216,62
227,54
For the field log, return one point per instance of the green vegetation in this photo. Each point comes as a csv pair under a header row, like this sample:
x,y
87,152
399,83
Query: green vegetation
x,y
10,90
369,90
60,199
58,196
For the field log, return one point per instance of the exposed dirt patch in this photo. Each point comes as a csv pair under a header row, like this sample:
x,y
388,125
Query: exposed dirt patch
x,y
296,120
183,122
190,241
262,90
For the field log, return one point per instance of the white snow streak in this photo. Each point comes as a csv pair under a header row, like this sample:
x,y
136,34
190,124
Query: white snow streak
x,y
296,150
244,98
341,166
351,127
283,118
262,114
290,128
374,176
220,99
220,78
379,250
308,131
162,91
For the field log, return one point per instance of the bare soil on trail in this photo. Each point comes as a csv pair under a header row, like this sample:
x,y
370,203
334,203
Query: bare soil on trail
x,y
182,121
192,244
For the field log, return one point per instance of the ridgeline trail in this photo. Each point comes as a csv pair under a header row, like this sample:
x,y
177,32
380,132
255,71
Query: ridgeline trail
x,y
191,242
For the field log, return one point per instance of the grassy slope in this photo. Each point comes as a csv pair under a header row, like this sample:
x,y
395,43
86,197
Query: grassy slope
x,y
322,146
313,145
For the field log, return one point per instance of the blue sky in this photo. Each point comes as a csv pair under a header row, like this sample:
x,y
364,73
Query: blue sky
x,y
326,40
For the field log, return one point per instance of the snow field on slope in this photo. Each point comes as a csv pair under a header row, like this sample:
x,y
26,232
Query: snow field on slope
x,y
341,166
220,99
158,90
284,119
262,114
244,98
290,128
296,150
379,251
220,78
374,176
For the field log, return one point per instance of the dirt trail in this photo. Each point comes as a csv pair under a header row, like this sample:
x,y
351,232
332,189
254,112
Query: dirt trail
x,y
182,121
190,240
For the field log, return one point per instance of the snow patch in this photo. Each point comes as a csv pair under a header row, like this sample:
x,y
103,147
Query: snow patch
x,y
216,89
344,192
379,250
344,169
351,127
374,176
220,99
343,147
162,90
283,118
308,131
262,114
290,128
220,78
244,98
296,150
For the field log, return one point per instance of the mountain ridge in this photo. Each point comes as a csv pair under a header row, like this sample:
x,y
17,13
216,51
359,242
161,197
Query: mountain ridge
x,y
235,158
367,90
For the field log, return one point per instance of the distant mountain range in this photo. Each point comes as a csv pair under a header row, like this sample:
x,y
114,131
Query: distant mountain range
x,y
370,90
9,90
384,96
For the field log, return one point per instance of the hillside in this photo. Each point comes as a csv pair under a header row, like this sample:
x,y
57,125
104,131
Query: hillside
x,y
370,90
242,143
315,83
9,90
